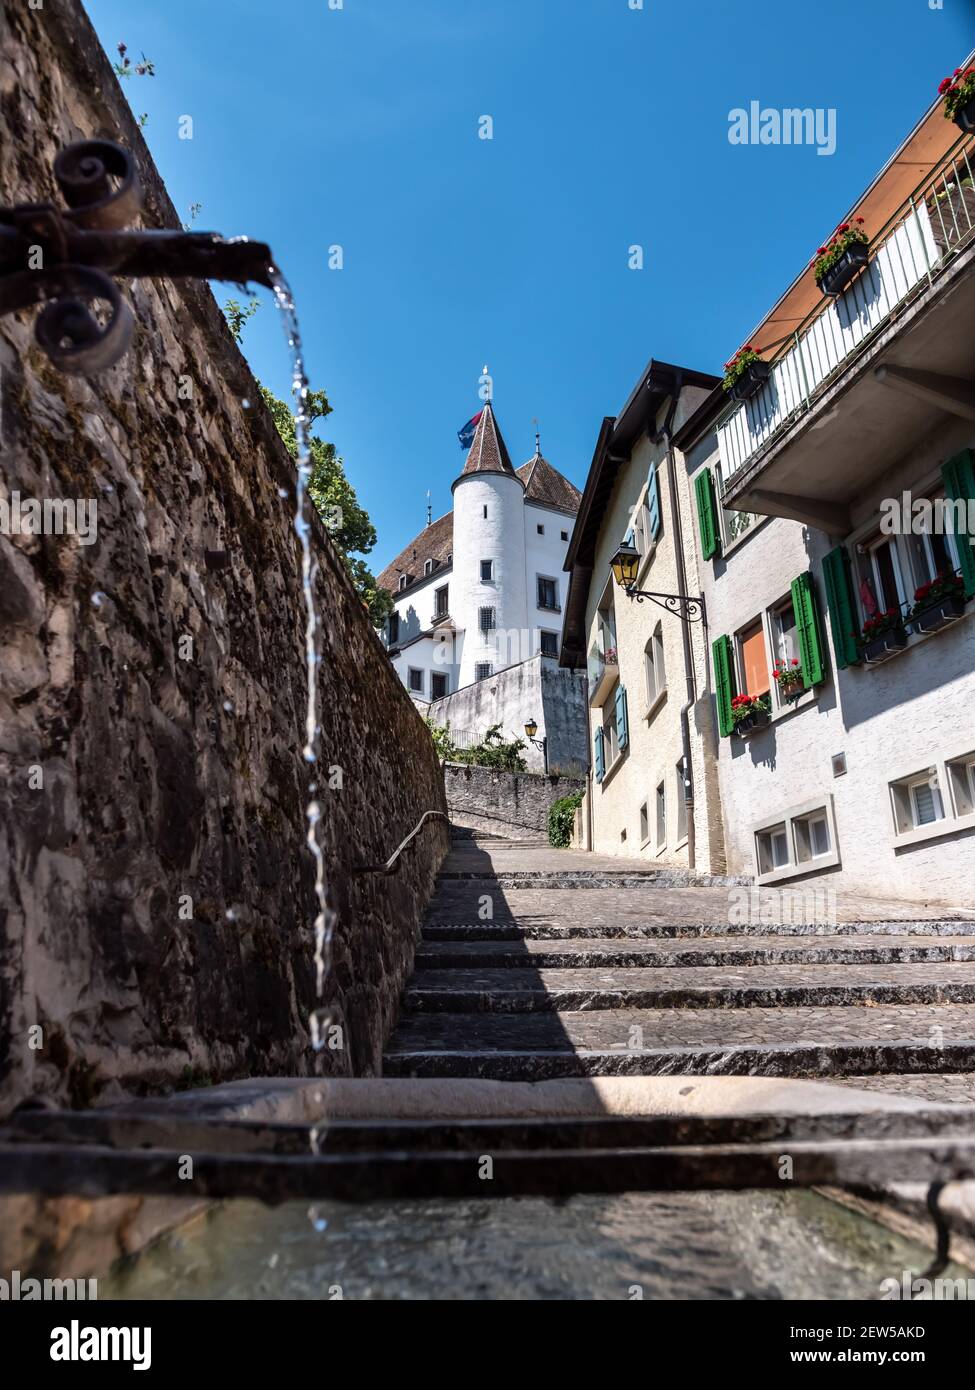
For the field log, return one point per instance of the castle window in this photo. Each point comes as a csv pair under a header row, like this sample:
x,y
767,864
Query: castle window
x,y
393,628
438,685
482,670
540,529
548,593
550,643
487,571
416,680
486,619
485,511
565,535
440,601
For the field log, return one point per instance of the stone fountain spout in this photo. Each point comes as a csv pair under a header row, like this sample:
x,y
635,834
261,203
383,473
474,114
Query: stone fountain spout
x,y
66,259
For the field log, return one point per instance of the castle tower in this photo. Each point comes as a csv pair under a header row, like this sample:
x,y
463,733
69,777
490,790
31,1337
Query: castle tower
x,y
490,582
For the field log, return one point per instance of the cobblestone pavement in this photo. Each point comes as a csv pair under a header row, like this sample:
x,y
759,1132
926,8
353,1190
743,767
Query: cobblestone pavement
x,y
642,976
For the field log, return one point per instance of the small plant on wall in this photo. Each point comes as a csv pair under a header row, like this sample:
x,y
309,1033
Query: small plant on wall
x,y
561,816
750,712
789,678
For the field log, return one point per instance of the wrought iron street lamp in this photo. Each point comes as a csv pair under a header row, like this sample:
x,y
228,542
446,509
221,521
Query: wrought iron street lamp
x,y
531,729
625,565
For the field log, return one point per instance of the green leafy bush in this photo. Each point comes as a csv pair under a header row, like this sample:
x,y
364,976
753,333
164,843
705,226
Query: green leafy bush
x,y
494,750
561,816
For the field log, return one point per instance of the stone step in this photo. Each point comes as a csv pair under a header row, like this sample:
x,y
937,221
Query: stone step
x,y
443,927
493,880
847,1040
601,952
761,986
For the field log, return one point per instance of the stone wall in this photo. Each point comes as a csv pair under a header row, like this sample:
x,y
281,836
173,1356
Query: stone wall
x,y
512,804
155,889
538,689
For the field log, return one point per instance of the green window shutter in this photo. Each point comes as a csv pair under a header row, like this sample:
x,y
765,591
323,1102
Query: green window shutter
x,y
622,718
653,502
843,621
959,479
721,659
806,609
600,757
707,513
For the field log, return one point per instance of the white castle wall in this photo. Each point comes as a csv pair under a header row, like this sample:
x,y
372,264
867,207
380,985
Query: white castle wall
x,y
498,536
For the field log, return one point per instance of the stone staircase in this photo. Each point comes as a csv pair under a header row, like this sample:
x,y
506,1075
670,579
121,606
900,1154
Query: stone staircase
x,y
519,979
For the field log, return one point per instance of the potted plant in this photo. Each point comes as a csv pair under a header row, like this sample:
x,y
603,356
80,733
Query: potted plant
x,y
789,679
750,713
884,635
938,603
842,258
745,374
959,98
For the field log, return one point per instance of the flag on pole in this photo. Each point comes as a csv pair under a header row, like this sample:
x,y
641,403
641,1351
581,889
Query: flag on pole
x,y
466,435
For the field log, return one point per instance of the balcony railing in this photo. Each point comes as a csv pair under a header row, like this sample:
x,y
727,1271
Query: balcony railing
x,y
919,241
604,671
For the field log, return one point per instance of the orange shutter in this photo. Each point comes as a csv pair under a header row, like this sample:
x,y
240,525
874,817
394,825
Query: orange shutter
x,y
754,661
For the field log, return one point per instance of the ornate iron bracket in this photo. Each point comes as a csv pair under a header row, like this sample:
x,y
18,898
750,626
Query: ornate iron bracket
x,y
66,260
688,607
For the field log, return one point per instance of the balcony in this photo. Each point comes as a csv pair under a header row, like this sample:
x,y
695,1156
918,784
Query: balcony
x,y
865,376
604,672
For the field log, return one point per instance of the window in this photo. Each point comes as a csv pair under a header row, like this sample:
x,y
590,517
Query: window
x,y
565,535
752,660
961,780
402,581
773,849
486,619
450,557
485,511
931,553
661,815
393,629
487,571
644,823
550,643
416,680
438,685
428,567
540,529
801,840
548,593
440,597
917,801
811,836
681,804
881,584
654,665
482,670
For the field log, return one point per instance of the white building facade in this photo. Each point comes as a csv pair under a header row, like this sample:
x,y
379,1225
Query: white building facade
x,y
481,589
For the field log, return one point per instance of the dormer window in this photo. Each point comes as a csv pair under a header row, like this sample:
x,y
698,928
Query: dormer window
x,y
428,567
402,581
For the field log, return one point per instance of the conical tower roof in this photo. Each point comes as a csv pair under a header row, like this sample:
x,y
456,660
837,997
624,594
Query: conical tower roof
x,y
488,453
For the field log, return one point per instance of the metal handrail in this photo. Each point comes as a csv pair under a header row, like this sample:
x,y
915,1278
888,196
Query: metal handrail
x,y
958,163
391,864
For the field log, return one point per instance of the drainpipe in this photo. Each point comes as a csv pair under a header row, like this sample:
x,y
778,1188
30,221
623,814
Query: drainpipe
x,y
685,731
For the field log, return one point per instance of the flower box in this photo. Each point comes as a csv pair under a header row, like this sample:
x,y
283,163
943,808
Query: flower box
x,y
942,613
964,117
751,380
751,723
884,645
835,280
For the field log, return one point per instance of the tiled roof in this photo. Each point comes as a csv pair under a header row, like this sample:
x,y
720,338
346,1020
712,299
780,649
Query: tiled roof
x,y
546,486
435,542
488,453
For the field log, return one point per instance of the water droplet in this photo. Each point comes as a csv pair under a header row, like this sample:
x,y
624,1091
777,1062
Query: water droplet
x,y
97,598
317,1220
246,403
282,492
230,915
273,1261
228,706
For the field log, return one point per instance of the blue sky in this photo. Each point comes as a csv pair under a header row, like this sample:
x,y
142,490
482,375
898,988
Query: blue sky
x,y
359,127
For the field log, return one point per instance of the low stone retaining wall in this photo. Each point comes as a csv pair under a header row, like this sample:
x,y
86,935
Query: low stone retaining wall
x,y
514,805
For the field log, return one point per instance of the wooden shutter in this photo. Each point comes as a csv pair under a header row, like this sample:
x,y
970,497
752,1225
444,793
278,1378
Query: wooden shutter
x,y
724,687
622,718
653,503
707,514
843,621
600,756
959,479
806,609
